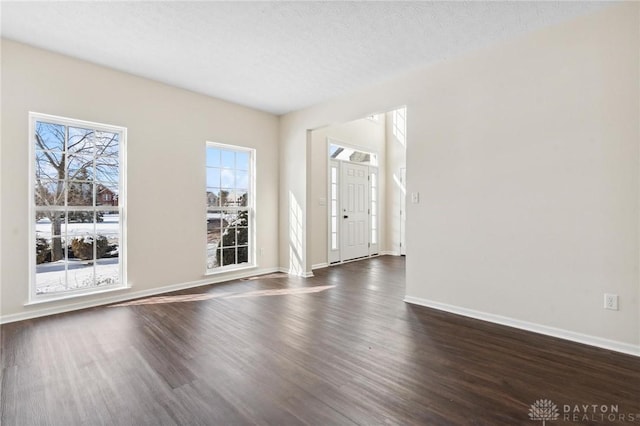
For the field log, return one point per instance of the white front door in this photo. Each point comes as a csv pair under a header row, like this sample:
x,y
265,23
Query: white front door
x,y
355,211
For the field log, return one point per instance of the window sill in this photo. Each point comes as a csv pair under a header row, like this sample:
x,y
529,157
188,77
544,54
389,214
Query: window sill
x,y
224,270
38,300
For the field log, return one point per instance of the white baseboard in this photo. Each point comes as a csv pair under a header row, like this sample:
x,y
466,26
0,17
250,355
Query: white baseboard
x,y
319,266
528,326
389,253
296,274
4,319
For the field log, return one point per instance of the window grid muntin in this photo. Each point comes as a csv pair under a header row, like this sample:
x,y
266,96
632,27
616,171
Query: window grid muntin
x,y
400,124
64,207
219,159
374,208
334,207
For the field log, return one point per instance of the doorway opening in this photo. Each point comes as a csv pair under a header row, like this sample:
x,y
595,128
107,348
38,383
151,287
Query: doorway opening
x,y
353,193
358,170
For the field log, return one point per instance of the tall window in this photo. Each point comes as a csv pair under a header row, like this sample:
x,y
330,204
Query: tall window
x,y
334,206
229,207
77,195
400,125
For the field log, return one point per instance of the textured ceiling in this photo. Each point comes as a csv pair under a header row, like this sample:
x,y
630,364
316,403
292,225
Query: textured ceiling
x,y
274,56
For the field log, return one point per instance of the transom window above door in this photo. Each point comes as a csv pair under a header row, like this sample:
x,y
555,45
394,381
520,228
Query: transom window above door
x,y
343,153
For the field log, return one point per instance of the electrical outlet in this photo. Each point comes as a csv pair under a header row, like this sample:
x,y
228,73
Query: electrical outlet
x,y
415,197
611,301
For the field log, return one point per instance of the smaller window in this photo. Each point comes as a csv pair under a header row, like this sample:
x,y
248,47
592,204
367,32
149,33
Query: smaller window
x,y
400,125
229,197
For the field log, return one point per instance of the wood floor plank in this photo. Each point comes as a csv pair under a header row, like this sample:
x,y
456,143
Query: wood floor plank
x,y
341,348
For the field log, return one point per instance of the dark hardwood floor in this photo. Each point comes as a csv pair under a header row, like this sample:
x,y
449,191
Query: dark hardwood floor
x,y
341,348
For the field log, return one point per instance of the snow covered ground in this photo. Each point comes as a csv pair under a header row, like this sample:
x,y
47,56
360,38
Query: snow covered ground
x,y
50,277
109,225
74,273
212,262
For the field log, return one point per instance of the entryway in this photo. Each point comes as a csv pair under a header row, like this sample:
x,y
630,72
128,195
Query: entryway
x,y
353,213
357,189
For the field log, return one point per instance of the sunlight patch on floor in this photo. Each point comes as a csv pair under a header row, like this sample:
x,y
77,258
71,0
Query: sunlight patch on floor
x,y
266,276
208,296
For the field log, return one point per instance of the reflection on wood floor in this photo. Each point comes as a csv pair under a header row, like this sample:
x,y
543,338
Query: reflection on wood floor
x,y
337,349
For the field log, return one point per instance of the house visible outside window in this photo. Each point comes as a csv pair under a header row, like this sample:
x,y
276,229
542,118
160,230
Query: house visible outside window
x,y
77,237
230,207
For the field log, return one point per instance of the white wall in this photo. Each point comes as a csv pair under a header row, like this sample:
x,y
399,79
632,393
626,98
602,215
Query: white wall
x,y
525,156
167,130
364,133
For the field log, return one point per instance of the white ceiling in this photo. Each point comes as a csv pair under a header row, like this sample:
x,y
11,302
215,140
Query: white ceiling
x,y
274,56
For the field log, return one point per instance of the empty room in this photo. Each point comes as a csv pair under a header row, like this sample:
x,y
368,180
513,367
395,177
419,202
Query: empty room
x,y
319,213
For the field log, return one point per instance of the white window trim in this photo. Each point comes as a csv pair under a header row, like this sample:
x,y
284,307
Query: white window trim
x,y
69,294
252,262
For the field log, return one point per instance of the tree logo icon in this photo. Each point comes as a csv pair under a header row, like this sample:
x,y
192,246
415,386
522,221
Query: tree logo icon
x,y
543,409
